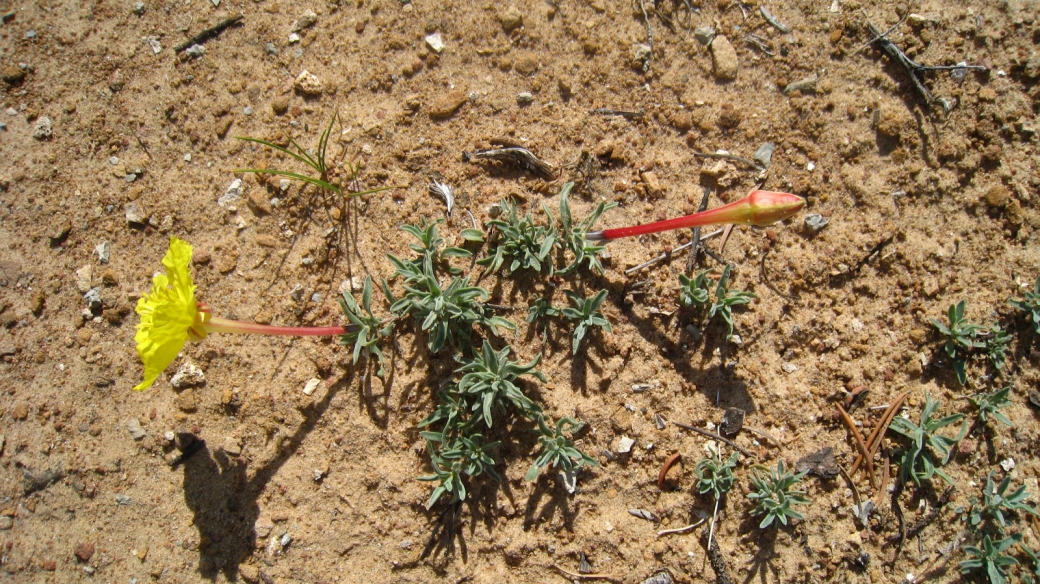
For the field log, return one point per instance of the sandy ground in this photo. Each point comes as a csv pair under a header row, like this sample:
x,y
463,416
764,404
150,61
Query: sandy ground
x,y
113,139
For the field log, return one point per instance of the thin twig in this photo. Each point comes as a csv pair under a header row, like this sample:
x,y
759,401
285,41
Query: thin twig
x,y
884,480
765,277
681,529
209,33
692,261
854,431
670,253
852,485
586,576
718,563
764,434
710,434
746,161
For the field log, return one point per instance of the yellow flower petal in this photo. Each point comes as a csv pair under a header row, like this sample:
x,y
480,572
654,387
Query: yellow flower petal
x,y
167,312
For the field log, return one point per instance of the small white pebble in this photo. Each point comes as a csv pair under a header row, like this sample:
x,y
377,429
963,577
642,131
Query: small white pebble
x,y
1007,464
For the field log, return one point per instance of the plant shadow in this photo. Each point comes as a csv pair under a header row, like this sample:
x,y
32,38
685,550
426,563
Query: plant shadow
x,y
223,498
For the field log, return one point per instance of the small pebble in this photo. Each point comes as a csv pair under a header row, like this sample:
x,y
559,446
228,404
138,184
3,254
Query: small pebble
x,y
247,111
271,49
84,551
93,298
704,34
625,445
30,34
232,446
122,499
311,386
139,8
232,194
188,375
724,59
42,131
133,425
524,98
306,19
308,84
435,42
195,51
134,214
816,222
511,19
789,367
286,540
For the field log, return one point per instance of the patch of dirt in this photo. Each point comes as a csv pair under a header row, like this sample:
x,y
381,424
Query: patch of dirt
x,y
275,485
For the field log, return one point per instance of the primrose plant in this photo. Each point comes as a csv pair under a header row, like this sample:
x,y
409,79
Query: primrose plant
x,y
575,235
774,494
961,339
990,404
917,462
997,501
585,311
990,558
1030,305
525,244
697,292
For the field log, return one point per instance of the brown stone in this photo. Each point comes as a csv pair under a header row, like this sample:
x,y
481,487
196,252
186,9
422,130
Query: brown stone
x,y
84,551
185,400
526,64
448,104
12,74
997,196
724,59
280,105
987,94
20,411
49,565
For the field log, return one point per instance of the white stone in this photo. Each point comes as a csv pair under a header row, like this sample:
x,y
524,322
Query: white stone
x,y
188,375
435,42
232,194
625,444
311,386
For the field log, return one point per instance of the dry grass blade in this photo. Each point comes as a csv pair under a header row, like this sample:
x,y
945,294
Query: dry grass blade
x,y
859,442
876,436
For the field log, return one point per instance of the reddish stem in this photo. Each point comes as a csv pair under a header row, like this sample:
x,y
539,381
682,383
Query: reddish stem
x,y
224,325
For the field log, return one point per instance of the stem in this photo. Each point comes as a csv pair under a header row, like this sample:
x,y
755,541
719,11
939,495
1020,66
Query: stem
x,y
760,208
224,325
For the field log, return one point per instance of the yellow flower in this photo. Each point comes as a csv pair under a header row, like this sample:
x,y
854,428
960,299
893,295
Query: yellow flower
x,y
169,314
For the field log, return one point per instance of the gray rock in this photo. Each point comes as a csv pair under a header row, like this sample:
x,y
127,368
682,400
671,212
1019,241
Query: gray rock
x,y
104,251
764,154
42,131
803,85
306,19
662,577
625,445
286,540
296,293
524,98
232,195
195,51
135,215
93,298
816,222
139,8
133,425
247,111
724,59
704,34
271,49
122,499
